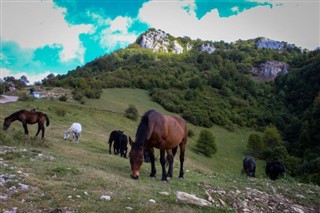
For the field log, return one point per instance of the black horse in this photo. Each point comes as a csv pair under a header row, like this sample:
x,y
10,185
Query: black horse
x,y
249,166
123,144
114,135
120,143
274,169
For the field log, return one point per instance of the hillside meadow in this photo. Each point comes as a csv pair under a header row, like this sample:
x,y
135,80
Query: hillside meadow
x,y
52,175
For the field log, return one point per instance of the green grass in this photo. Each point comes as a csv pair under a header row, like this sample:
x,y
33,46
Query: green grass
x,y
63,174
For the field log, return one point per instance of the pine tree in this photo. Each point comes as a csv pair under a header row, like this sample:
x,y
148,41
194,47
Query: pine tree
x,y
206,143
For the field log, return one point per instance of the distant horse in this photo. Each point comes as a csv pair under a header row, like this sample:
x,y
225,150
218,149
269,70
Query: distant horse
x,y
122,142
249,166
274,169
27,117
114,137
163,132
75,129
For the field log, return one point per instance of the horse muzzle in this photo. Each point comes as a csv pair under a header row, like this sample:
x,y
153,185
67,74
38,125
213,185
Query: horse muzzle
x,y
134,177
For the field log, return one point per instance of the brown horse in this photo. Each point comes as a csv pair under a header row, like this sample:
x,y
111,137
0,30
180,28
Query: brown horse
x,y
27,117
163,132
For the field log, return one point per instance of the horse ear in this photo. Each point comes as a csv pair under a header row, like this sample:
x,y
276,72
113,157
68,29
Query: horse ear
x,y
131,141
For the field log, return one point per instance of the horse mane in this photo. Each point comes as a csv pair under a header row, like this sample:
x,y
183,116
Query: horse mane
x,y
143,129
15,114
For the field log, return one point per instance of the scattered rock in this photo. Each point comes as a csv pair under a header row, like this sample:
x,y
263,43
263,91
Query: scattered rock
x,y
14,210
152,201
105,198
183,197
164,193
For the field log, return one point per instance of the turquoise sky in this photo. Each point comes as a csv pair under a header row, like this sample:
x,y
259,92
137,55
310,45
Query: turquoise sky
x,y
45,36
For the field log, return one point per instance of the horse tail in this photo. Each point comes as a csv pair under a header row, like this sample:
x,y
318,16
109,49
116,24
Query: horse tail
x,y
47,119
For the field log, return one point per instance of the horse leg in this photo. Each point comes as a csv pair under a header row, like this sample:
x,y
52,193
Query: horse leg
x,y
163,164
42,128
26,132
170,161
76,137
38,129
110,146
153,167
182,150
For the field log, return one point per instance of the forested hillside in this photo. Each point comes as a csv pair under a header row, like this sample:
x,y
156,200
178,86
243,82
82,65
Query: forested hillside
x,y
220,88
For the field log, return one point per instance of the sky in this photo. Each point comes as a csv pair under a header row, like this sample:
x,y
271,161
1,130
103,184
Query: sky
x,y
42,37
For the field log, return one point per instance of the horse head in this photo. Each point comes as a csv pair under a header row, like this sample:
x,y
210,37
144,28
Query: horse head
x,y
136,159
6,123
66,135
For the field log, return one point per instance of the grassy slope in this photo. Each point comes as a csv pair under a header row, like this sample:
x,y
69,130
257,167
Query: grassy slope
x,y
86,167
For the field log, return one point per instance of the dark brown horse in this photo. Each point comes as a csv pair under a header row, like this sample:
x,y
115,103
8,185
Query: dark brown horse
x,y
163,132
27,117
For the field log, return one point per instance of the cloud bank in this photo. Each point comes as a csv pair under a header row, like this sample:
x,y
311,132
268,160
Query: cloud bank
x,y
42,37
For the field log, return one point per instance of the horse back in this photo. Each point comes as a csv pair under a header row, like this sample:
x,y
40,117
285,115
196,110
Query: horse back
x,y
171,129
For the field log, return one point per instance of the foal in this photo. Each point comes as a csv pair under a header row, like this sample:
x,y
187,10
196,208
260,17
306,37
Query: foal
x,y
75,129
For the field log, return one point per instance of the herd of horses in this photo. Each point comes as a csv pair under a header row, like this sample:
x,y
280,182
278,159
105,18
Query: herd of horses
x,y
164,132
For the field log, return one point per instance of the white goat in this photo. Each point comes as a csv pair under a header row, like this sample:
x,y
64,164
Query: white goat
x,y
75,129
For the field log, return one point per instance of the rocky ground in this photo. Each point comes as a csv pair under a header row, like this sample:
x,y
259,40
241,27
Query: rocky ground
x,y
253,200
268,198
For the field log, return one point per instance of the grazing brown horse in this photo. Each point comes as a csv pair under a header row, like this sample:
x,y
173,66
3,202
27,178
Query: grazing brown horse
x,y
163,132
27,117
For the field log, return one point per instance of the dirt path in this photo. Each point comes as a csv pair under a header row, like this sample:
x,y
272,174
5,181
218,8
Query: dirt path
x,y
5,99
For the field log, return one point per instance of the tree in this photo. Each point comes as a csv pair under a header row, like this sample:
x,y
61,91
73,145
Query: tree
x,y
206,143
271,137
255,145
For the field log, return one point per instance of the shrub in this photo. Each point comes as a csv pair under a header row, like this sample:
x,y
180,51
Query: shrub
x,y
63,98
190,133
206,143
26,97
255,145
131,112
61,111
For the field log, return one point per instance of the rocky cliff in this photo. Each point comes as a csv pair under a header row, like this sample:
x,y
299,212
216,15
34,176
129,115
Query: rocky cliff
x,y
159,41
270,44
270,69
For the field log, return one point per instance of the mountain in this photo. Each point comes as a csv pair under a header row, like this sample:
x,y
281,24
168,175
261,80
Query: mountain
x,y
253,84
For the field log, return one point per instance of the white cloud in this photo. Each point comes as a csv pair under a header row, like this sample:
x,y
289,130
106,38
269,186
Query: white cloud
x,y
34,24
117,33
293,22
31,77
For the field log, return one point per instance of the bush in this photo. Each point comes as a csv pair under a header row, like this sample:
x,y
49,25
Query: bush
x,y
131,112
61,111
63,98
26,97
255,145
206,143
190,133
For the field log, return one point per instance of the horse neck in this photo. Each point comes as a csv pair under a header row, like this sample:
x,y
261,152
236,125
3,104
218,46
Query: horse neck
x,y
13,117
70,130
